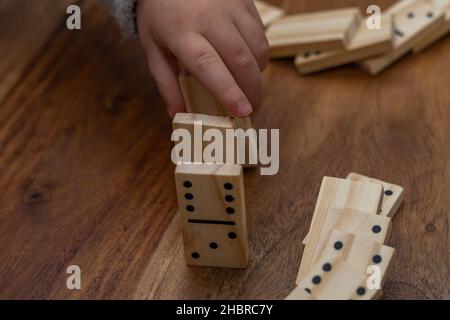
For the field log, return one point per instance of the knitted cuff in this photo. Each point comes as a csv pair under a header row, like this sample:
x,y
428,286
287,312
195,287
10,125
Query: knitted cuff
x,y
125,13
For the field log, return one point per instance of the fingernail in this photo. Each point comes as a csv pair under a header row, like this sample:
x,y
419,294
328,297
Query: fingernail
x,y
244,108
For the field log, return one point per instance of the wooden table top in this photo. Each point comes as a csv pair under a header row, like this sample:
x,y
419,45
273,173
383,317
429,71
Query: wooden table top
x,y
86,177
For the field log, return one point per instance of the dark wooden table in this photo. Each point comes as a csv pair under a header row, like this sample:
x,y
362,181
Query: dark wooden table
x,y
86,177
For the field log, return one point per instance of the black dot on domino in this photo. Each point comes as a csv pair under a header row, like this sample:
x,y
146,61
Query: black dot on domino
x,y
316,279
399,33
229,198
187,184
338,245
307,290
430,14
376,229
228,186
213,245
326,267
190,208
389,192
360,291
232,235
195,255
306,54
189,196
411,15
376,258
230,210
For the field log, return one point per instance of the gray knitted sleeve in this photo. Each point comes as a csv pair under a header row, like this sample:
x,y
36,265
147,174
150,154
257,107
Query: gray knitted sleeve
x,y
125,13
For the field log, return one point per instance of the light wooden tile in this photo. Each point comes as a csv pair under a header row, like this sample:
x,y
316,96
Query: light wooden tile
x,y
372,226
411,23
337,193
341,270
268,13
211,202
199,101
324,30
437,32
392,197
197,125
365,44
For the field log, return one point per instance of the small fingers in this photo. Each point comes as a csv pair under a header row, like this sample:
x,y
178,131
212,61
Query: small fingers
x,y
165,73
203,61
251,6
240,60
254,35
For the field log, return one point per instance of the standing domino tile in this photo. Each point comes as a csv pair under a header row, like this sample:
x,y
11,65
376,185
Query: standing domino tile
x,y
211,204
196,125
199,101
392,197
365,44
411,23
268,12
324,30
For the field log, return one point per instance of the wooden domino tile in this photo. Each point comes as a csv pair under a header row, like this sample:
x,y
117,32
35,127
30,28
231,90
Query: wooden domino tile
x,y
197,124
341,270
411,23
199,101
365,44
187,120
335,251
350,279
392,197
439,31
366,252
399,5
211,202
268,12
341,193
324,30
372,226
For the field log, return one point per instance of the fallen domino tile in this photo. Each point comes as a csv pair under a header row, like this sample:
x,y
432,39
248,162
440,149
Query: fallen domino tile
x,y
323,30
365,44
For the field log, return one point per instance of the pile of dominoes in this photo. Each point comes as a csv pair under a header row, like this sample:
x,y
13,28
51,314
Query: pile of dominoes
x,y
345,256
327,39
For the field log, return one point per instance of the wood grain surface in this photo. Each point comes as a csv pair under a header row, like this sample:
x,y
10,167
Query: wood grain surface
x,y
86,177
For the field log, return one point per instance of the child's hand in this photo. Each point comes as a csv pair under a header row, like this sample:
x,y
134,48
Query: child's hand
x,y
221,42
